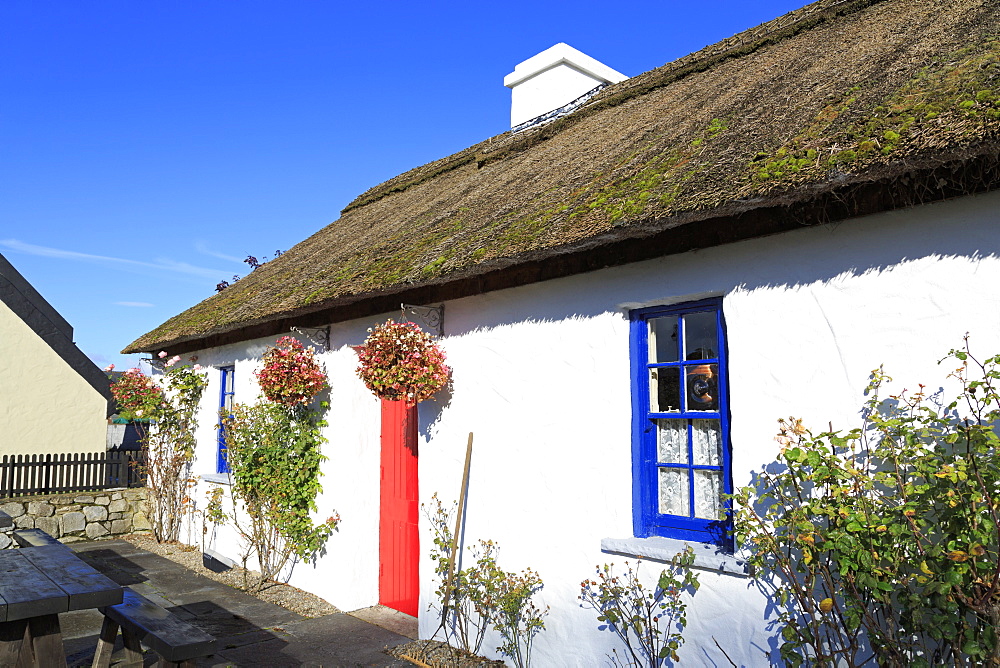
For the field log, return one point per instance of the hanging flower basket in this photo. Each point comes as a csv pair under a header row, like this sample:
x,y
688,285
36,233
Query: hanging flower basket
x,y
291,375
400,362
138,396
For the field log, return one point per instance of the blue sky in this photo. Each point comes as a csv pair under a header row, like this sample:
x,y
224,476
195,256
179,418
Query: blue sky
x,y
146,148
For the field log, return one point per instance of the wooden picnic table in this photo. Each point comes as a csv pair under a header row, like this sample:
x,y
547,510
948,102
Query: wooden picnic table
x,y
36,584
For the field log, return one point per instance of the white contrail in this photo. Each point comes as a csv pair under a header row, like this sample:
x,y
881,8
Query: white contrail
x,y
203,248
162,264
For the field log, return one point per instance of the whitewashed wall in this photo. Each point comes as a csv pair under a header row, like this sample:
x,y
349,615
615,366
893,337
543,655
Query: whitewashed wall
x,y
541,376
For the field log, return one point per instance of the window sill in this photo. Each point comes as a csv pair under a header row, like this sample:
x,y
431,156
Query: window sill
x,y
706,556
217,478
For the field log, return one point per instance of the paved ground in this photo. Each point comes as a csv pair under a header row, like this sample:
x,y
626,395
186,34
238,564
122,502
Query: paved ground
x,y
250,632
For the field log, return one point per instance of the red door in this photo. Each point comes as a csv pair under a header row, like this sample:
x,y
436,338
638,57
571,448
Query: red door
x,y
399,542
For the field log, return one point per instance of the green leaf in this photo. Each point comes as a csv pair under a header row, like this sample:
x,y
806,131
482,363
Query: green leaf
x,y
972,648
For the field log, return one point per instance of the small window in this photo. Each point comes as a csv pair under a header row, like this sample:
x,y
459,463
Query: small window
x,y
227,374
680,422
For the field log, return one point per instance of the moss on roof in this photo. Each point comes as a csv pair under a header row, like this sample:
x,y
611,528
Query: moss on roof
x,y
835,93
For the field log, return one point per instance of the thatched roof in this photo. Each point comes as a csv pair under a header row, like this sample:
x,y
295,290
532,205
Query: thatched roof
x,y
841,108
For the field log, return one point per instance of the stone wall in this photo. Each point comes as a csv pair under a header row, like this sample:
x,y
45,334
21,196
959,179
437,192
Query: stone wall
x,y
80,516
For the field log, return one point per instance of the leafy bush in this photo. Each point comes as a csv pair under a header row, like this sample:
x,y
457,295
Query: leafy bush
x,y
884,539
273,453
138,396
171,406
650,622
484,596
274,463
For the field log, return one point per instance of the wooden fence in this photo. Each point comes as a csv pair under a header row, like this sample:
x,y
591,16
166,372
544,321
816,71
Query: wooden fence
x,y
22,475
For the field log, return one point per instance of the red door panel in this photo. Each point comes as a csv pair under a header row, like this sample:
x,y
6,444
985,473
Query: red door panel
x,y
399,543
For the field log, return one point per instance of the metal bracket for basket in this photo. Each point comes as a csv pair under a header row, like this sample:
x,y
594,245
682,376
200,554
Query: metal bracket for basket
x,y
430,318
317,338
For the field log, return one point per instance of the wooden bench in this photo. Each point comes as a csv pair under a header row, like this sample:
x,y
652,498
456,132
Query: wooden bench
x,y
35,538
140,620
37,584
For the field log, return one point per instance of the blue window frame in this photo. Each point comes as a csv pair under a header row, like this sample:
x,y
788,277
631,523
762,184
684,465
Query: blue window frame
x,y
227,375
680,442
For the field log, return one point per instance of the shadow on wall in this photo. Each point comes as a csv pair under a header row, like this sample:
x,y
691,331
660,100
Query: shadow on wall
x,y
824,254
430,412
957,230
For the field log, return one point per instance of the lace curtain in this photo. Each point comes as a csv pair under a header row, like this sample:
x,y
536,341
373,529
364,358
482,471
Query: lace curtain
x,y
672,441
672,448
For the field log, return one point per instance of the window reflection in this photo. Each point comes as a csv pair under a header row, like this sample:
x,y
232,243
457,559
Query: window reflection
x,y
663,339
701,336
665,390
703,387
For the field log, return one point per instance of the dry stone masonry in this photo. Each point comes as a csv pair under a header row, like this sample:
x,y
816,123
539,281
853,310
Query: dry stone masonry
x,y
78,517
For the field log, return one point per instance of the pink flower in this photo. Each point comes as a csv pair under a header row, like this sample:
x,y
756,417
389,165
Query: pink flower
x,y
161,354
197,367
109,368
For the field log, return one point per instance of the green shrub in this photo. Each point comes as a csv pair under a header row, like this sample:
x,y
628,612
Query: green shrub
x,y
887,532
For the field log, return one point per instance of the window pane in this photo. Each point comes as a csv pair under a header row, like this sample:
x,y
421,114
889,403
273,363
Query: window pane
x,y
701,336
665,390
706,439
672,441
663,339
703,387
227,389
707,494
674,494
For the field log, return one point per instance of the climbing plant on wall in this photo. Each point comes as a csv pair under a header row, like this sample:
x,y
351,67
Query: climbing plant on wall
x,y
273,452
171,406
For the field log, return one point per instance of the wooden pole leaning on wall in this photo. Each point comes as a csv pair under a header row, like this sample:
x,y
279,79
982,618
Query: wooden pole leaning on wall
x,y
458,527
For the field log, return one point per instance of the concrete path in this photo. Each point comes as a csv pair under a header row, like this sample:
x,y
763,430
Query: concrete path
x,y
250,632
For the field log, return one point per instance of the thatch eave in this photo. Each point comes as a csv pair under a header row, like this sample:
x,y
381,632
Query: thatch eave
x,y
908,183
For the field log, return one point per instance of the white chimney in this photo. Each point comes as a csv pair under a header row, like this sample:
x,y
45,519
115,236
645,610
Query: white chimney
x,y
552,79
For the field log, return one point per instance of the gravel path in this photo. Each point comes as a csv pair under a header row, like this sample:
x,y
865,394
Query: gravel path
x,y
189,556
437,654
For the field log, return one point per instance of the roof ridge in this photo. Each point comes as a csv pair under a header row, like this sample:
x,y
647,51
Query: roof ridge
x,y
764,30
498,146
13,279
26,303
